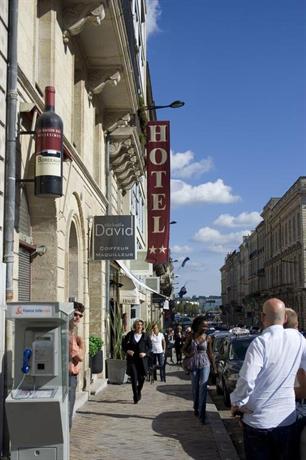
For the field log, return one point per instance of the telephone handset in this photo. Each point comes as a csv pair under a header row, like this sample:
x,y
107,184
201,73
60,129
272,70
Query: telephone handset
x,y
27,353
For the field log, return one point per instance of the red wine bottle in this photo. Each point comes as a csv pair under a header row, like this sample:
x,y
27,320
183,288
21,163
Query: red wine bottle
x,y
49,150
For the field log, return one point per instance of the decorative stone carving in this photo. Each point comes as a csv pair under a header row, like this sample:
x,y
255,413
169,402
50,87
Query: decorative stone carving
x,y
97,83
77,16
126,174
128,184
119,161
114,149
120,169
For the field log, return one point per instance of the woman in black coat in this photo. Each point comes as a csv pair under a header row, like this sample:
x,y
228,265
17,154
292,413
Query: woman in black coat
x,y
137,346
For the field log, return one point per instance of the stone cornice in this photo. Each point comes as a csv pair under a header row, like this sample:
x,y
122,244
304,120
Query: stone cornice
x,y
298,188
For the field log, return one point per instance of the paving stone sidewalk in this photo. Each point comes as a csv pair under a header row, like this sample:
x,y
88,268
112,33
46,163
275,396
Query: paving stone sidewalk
x,y
161,425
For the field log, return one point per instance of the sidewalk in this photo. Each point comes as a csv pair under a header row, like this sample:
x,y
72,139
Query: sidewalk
x,y
161,425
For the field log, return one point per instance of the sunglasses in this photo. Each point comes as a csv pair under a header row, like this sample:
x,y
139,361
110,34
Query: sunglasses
x,y
78,315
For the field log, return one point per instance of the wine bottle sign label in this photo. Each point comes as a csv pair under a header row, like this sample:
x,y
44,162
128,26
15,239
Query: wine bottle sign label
x,y
48,163
48,152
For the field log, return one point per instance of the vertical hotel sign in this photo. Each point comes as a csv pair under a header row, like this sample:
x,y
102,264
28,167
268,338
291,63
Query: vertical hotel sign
x,y
158,171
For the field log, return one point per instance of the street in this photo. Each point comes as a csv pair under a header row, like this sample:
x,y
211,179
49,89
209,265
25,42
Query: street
x,y
161,425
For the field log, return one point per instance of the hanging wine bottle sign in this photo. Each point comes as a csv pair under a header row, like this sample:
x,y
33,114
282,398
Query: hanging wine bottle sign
x,y
49,150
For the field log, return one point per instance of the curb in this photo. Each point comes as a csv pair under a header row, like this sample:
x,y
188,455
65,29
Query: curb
x,y
223,441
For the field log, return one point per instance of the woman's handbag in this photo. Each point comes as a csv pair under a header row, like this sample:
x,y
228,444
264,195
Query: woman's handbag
x,y
188,363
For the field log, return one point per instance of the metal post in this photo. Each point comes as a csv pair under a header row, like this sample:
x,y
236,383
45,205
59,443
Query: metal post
x,y
108,212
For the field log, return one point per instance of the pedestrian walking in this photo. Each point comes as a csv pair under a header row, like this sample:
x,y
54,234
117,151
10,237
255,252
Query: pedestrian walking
x,y
137,346
158,352
178,343
76,355
169,337
197,349
264,393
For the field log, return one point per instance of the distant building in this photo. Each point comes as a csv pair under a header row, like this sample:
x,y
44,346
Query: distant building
x,y
206,303
271,261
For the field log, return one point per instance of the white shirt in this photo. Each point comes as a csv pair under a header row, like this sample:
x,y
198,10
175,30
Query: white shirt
x,y
157,343
266,379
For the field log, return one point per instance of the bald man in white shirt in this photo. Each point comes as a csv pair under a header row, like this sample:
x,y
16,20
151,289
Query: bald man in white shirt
x,y
265,388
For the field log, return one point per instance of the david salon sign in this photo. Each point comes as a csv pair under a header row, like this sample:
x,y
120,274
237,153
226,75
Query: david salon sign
x,y
114,237
158,169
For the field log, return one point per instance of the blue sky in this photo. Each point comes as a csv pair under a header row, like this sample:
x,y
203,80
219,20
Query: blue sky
x,y
240,67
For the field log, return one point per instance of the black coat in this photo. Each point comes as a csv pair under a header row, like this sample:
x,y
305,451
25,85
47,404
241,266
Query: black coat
x,y
143,346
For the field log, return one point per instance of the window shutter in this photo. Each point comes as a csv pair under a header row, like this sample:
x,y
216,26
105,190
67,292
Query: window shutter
x,y
24,285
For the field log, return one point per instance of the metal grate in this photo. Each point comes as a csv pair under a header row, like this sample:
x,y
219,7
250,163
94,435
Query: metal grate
x,y
24,274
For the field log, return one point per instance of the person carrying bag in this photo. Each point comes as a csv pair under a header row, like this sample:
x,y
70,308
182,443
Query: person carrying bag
x,y
197,361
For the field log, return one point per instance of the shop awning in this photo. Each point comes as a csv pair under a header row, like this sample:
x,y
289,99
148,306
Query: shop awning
x,y
136,281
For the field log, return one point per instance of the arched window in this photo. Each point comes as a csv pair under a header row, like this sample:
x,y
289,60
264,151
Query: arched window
x,y
73,263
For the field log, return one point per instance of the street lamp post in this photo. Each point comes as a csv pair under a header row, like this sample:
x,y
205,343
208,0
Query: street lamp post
x,y
173,105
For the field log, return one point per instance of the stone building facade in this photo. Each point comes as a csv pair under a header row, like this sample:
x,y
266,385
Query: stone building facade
x,y
94,54
272,259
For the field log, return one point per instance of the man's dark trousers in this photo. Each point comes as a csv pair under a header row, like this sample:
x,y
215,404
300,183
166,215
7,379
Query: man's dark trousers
x,y
270,444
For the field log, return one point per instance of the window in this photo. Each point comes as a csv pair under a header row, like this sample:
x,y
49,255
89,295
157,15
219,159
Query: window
x,y
238,349
290,231
294,229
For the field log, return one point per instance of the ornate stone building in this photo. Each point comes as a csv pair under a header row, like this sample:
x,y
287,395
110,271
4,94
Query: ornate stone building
x,y
272,259
94,54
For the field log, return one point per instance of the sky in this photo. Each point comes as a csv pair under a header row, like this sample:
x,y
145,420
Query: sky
x,y
240,139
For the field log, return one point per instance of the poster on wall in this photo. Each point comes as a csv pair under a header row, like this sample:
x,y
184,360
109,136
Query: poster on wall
x,y
114,238
158,172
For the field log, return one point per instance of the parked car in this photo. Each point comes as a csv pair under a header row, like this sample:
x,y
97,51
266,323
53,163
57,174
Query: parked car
x,y
217,338
231,356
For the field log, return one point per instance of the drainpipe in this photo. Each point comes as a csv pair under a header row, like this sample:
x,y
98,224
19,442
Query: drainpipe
x,y
10,195
10,156
108,212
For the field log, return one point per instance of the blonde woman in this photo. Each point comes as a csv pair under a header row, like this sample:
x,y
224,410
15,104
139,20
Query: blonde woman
x,y
137,346
158,351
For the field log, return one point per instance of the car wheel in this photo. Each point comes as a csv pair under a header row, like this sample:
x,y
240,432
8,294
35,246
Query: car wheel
x,y
226,396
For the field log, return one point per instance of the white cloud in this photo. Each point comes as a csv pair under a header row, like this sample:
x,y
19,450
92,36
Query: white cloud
x,y
215,241
183,166
210,192
180,160
196,266
153,13
176,249
245,219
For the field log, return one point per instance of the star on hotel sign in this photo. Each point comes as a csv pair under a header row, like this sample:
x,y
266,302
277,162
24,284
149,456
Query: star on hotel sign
x,y
162,249
152,250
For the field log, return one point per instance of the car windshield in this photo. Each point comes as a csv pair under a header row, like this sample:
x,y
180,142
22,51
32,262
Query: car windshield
x,y
238,349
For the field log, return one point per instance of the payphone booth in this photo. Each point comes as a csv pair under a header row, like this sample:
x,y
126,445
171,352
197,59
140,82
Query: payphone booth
x,y
37,407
